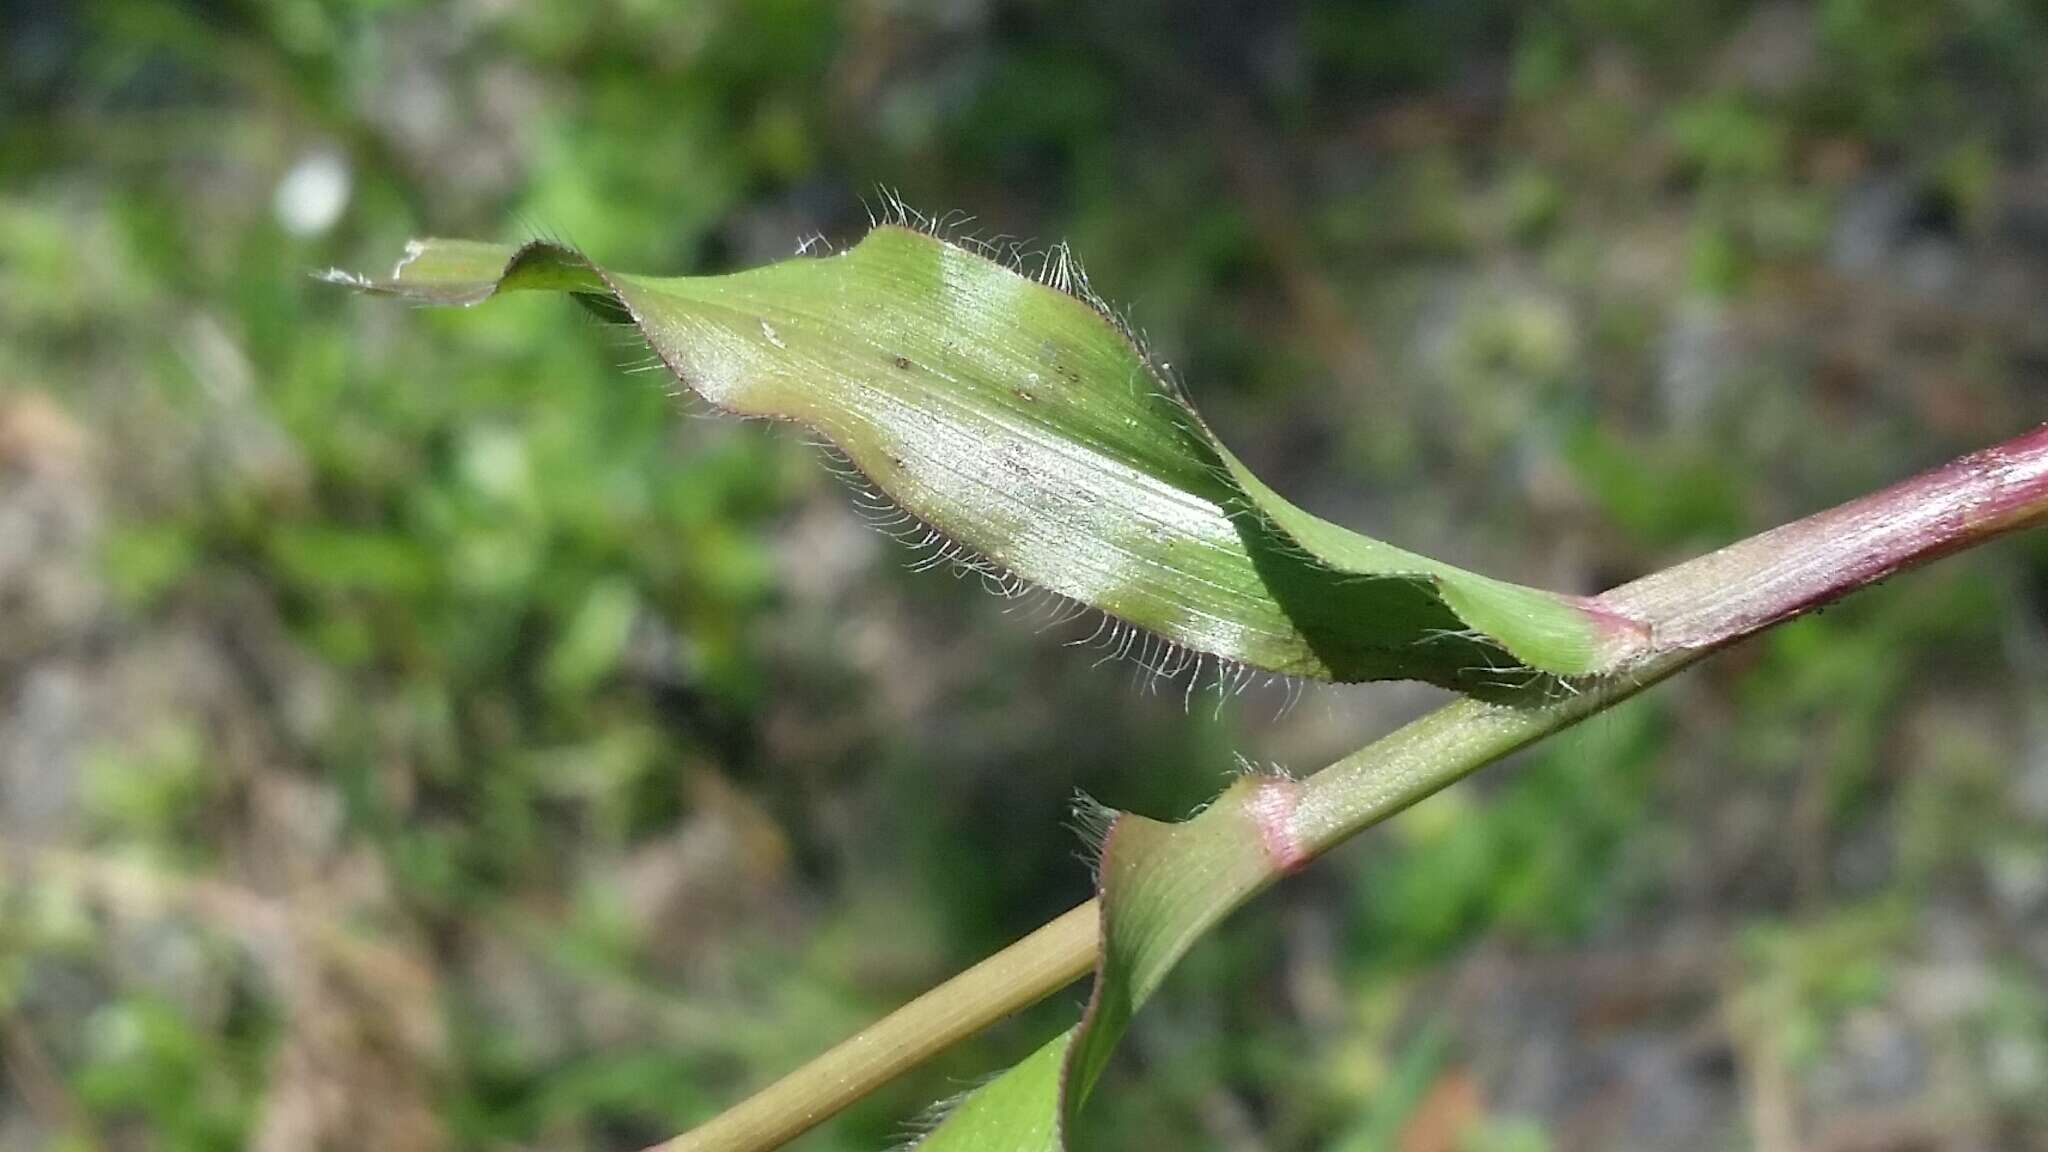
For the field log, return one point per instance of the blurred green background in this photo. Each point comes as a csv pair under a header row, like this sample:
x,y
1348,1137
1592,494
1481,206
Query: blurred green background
x,y
417,733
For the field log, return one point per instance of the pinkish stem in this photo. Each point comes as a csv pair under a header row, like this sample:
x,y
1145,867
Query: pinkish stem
x,y
1726,595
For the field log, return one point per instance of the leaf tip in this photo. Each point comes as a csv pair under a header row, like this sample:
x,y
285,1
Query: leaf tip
x,y
343,277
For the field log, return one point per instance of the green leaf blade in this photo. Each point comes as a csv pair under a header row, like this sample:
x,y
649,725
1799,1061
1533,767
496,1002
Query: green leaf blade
x,y
1027,427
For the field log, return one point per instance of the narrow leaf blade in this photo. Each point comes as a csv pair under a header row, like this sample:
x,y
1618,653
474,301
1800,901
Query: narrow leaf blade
x,y
1026,426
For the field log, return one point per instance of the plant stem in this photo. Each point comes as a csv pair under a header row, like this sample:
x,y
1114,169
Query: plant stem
x,y
1693,610
1056,955
1690,610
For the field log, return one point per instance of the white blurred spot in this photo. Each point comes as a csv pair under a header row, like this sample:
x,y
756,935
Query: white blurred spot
x,y
312,195
495,462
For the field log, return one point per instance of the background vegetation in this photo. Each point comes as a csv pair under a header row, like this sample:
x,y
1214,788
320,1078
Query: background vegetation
x,y
415,735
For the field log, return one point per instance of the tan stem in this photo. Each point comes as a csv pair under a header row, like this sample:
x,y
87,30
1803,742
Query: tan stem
x,y
1019,976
